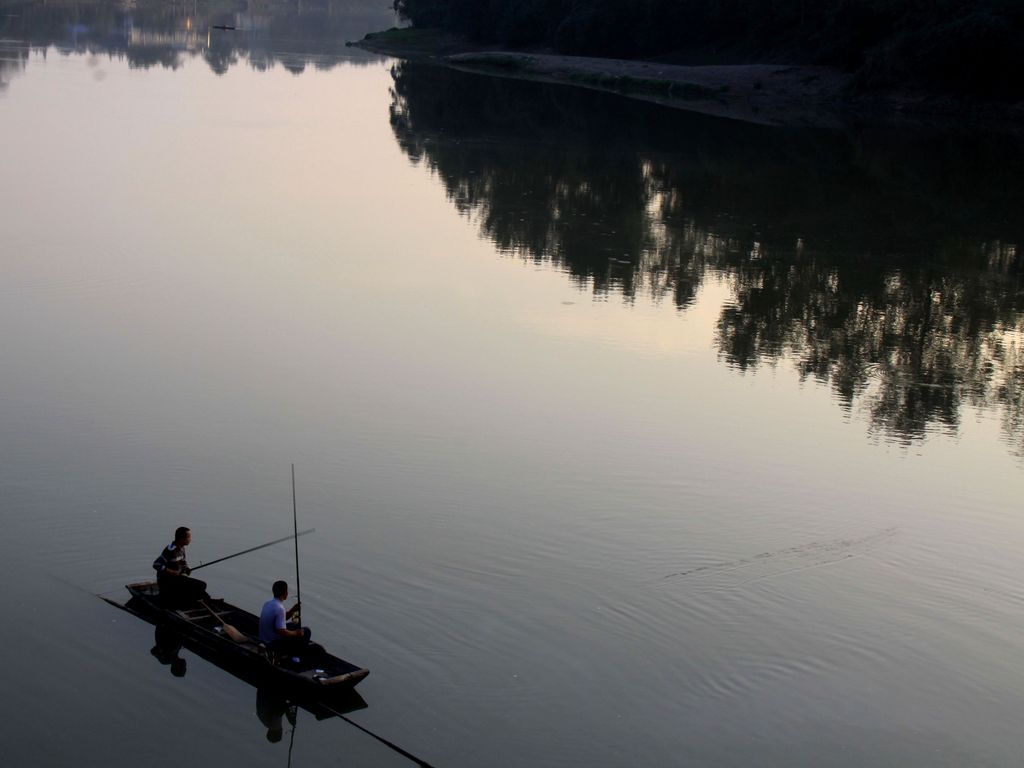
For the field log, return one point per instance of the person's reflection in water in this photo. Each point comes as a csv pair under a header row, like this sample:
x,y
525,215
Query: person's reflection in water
x,y
271,708
166,648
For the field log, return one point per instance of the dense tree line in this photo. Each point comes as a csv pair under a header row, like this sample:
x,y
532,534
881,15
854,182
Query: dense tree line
x,y
970,47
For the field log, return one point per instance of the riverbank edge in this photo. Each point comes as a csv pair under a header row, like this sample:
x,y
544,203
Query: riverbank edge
x,y
767,94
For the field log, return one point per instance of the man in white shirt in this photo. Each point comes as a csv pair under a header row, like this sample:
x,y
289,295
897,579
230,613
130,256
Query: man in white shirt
x,y
281,637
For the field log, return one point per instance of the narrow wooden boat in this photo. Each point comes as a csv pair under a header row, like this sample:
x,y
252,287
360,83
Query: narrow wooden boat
x,y
202,627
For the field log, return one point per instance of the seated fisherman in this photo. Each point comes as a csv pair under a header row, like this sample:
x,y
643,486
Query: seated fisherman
x,y
177,589
281,637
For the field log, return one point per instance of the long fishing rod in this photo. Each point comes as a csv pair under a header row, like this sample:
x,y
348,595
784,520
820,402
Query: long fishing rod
x,y
389,744
295,524
253,549
291,741
367,731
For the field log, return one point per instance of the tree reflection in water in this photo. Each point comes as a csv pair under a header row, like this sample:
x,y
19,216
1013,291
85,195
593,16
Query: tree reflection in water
x,y
158,33
883,263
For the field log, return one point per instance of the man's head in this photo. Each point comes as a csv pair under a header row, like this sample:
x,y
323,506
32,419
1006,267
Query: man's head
x,y
183,536
280,589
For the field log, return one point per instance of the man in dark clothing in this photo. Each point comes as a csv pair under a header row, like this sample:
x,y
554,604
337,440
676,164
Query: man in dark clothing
x,y
177,589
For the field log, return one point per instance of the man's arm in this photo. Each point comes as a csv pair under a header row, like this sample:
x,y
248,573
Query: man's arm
x,y
281,628
163,565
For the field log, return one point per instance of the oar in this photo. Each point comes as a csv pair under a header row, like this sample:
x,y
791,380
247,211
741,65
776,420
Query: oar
x,y
253,549
230,631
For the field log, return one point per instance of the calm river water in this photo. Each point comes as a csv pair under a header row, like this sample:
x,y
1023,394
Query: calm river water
x,y
631,437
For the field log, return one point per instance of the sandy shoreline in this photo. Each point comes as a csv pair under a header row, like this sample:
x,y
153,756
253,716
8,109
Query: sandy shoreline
x,y
768,94
758,93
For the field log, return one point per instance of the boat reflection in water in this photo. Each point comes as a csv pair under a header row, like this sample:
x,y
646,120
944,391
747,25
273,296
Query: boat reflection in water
x,y
167,648
273,703
272,708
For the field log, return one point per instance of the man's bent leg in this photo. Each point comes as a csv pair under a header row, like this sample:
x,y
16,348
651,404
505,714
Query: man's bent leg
x,y
285,647
181,591
193,590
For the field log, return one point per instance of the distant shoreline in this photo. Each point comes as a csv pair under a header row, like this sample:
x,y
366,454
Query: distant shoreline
x,y
768,94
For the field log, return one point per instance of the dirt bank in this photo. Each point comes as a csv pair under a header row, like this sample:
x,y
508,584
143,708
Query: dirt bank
x,y
757,93
769,94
